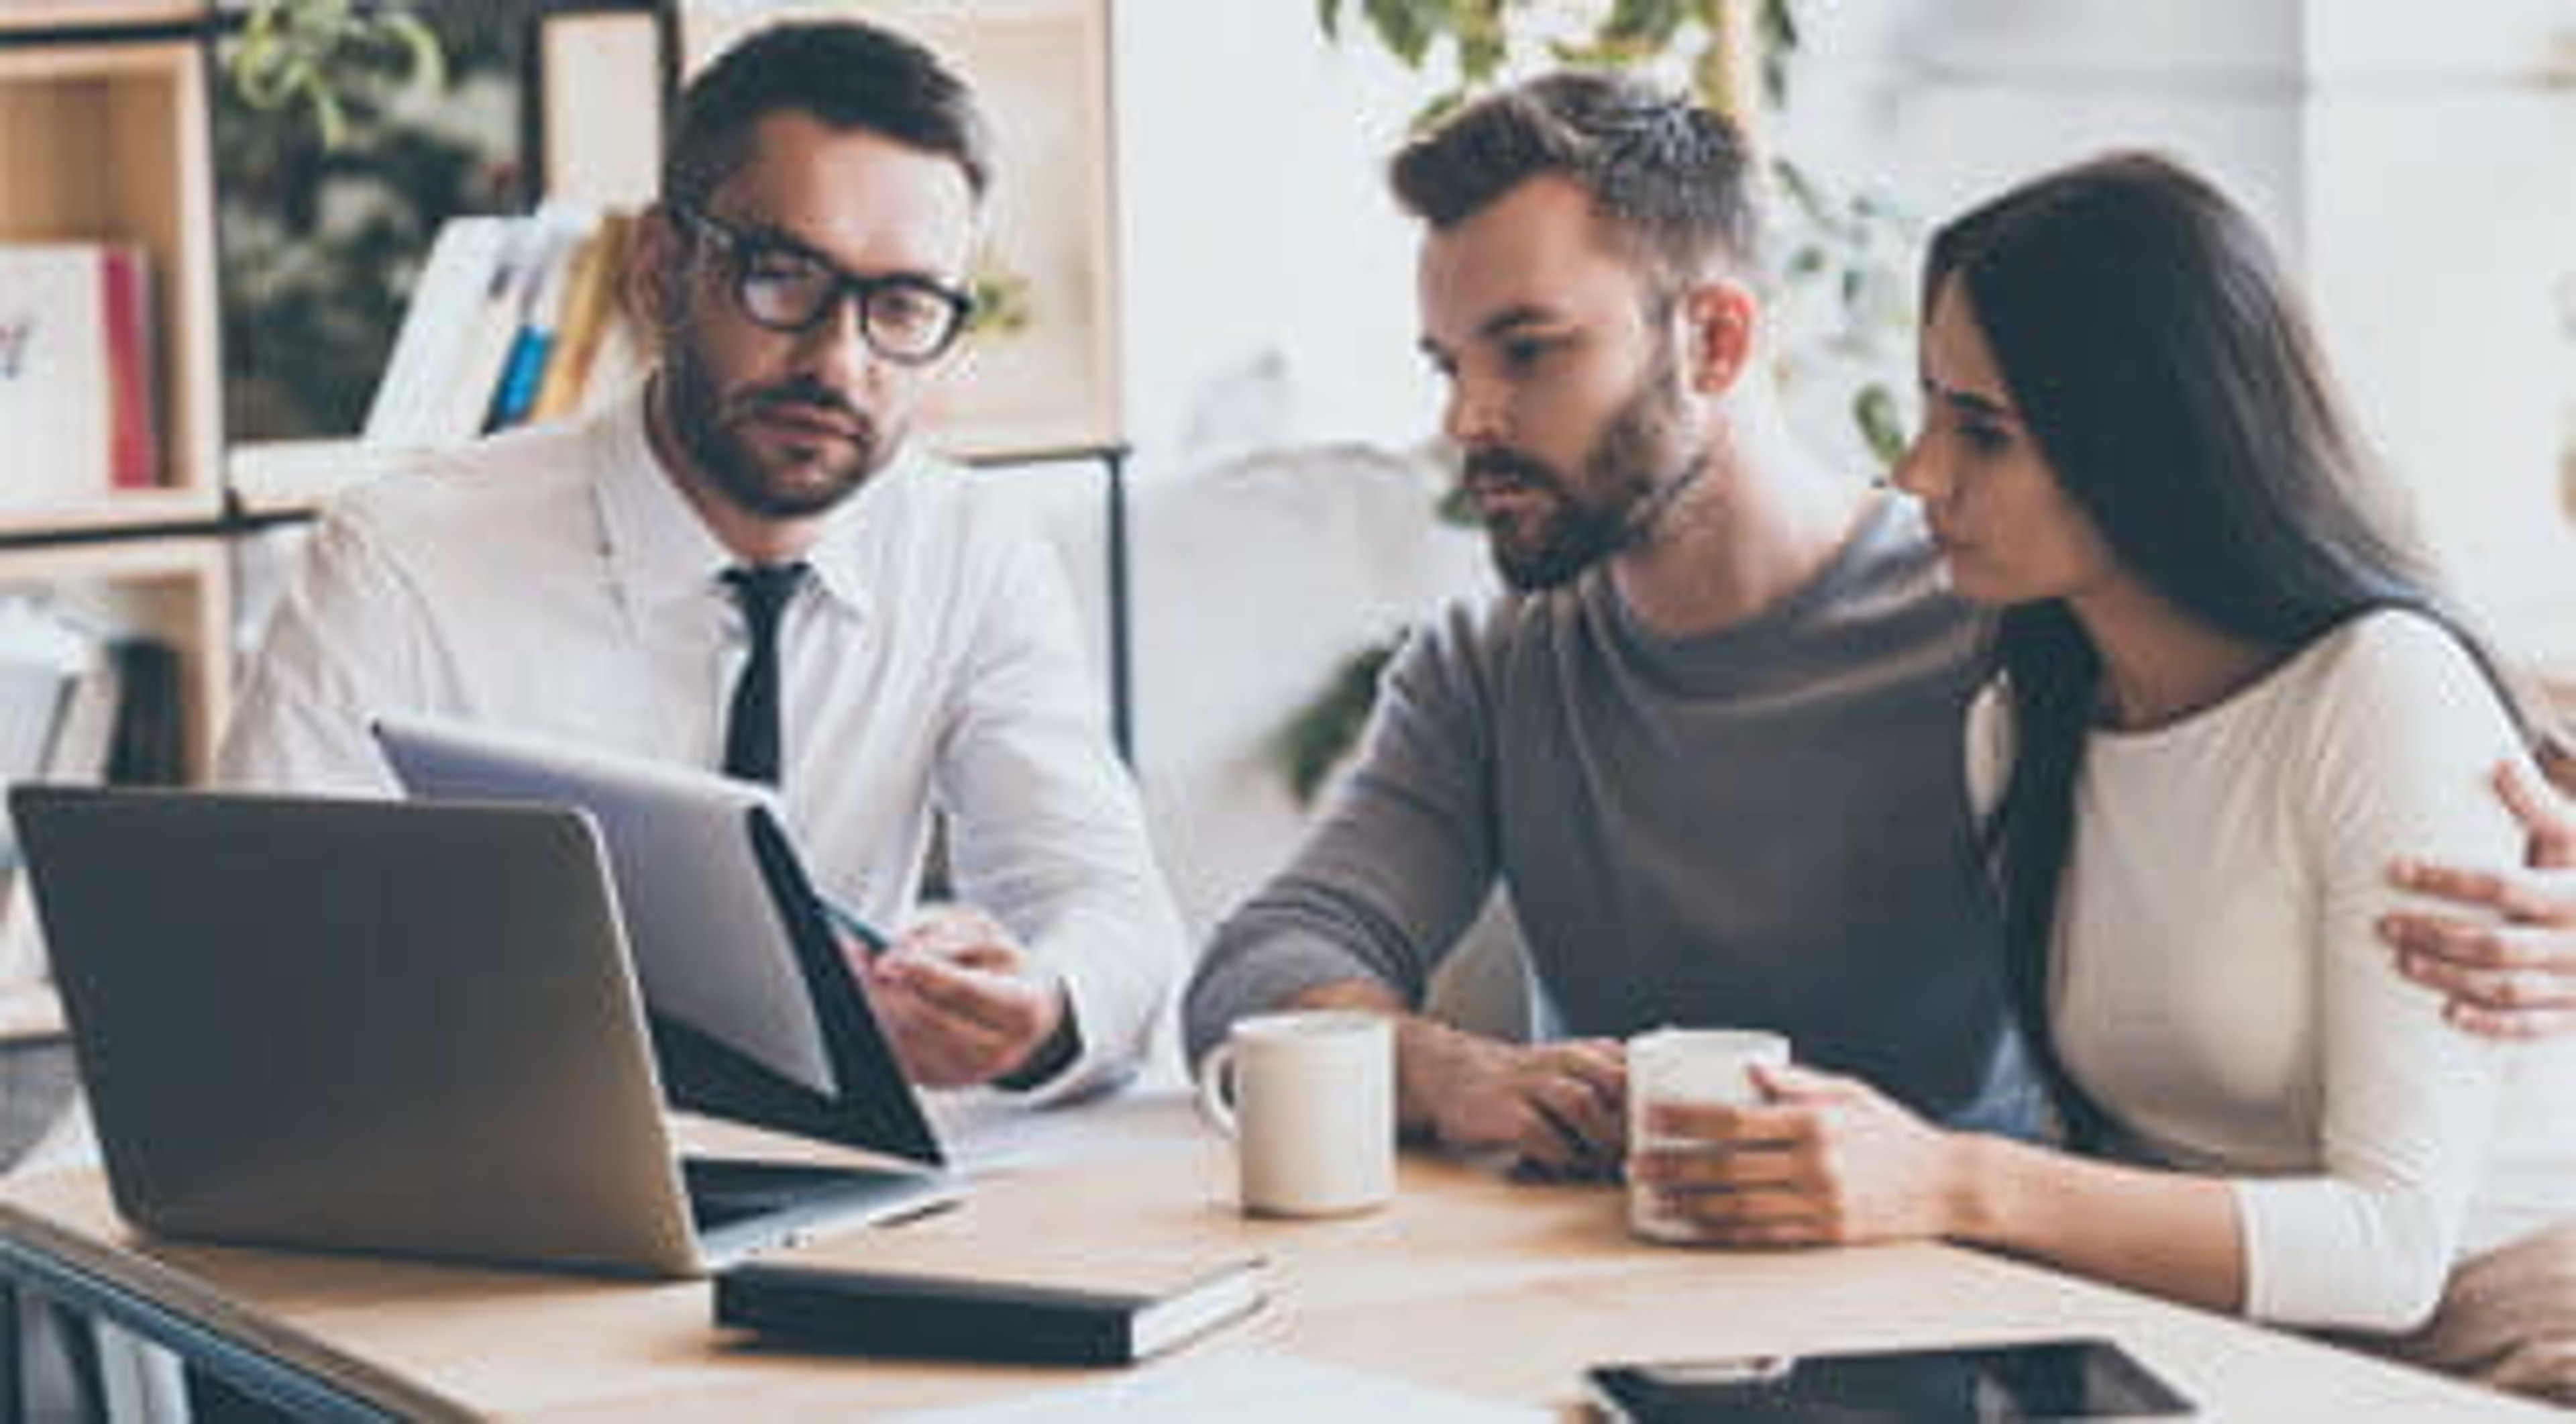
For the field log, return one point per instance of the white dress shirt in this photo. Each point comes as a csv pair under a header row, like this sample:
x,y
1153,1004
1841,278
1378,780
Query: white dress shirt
x,y
2221,991
556,581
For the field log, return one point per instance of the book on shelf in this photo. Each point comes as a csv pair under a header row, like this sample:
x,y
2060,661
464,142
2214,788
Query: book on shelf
x,y
1092,1310
79,386
133,365
591,318
457,389
43,657
512,319
543,279
67,694
147,742
446,300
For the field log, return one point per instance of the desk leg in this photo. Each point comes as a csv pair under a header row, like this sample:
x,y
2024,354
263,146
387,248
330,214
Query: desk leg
x,y
77,1333
47,1350
13,1357
1122,708
78,1298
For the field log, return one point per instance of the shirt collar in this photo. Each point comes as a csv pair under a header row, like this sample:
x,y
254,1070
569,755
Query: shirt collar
x,y
660,551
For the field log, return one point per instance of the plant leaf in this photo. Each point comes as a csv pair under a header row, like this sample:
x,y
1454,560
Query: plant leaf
x,y
1442,105
1483,41
1775,25
1713,79
1641,24
427,61
1881,426
330,117
1802,191
1320,733
1407,27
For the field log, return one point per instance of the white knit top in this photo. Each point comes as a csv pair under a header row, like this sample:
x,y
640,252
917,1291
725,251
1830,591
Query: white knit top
x,y
2221,991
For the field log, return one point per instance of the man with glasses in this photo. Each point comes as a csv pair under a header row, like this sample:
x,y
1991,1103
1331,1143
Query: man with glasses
x,y
747,565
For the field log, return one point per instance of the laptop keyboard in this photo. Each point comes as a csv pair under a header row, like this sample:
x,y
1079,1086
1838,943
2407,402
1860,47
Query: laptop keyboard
x,y
723,1191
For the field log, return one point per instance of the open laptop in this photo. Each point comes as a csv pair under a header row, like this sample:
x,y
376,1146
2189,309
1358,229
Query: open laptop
x,y
386,1026
755,1012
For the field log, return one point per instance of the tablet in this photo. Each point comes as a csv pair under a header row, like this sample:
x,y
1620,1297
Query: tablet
x,y
1987,1384
754,1011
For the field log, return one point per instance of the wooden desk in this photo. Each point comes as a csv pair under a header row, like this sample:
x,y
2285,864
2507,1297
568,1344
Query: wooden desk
x,y
1467,1283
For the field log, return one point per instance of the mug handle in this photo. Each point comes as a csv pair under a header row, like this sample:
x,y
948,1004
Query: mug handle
x,y
1216,1073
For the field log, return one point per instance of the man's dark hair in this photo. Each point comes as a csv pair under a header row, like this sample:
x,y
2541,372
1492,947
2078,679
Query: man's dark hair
x,y
848,75
1669,176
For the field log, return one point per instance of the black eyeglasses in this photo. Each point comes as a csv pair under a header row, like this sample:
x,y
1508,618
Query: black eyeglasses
x,y
905,318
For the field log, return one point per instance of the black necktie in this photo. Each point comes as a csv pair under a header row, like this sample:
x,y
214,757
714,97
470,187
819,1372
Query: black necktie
x,y
751,726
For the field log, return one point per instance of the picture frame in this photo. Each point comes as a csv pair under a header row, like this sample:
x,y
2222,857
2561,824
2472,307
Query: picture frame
x,y
1049,384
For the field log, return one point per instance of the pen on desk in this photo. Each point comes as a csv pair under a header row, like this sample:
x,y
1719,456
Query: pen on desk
x,y
850,924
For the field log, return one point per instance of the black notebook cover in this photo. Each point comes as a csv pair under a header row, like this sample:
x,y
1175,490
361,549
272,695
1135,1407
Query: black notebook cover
x,y
975,1317
874,1108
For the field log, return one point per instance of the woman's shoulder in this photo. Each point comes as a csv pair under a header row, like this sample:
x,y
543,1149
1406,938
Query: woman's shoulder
x,y
2397,692
2398,660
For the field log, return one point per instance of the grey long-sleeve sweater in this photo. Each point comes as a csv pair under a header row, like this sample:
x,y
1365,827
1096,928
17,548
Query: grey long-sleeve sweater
x,y
1764,827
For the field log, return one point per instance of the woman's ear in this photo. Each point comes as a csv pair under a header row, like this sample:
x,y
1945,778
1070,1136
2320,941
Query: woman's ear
x,y
1720,322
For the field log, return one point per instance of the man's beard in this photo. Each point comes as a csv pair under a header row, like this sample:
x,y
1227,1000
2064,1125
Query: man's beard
x,y
706,421
1629,477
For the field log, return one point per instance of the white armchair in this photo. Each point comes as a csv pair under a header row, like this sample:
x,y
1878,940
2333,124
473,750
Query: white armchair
x,y
1253,580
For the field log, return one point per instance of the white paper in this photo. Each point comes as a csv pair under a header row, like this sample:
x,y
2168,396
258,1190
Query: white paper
x,y
1239,1387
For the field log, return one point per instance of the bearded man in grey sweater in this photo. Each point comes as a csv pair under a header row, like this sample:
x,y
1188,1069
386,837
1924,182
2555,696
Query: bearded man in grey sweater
x,y
1710,743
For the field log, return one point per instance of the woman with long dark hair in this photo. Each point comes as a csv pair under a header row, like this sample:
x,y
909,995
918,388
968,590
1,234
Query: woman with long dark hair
x,y
2228,698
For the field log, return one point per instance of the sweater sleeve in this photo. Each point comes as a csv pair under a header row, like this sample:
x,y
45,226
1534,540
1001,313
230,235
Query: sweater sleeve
x,y
2408,729
1400,861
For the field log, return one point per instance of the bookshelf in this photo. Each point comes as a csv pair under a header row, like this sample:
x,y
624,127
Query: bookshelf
x,y
176,590
53,16
104,139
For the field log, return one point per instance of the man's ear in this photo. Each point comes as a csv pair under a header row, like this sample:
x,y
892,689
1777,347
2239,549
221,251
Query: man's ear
x,y
1720,322
654,286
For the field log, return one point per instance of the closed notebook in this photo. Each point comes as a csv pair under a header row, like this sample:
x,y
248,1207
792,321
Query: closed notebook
x,y
1025,1317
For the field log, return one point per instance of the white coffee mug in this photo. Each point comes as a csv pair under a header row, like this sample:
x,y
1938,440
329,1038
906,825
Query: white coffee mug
x,y
1687,1065
1309,1098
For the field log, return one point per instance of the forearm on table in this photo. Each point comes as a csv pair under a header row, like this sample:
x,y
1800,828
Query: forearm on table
x,y
1298,934
1420,1043
2165,1233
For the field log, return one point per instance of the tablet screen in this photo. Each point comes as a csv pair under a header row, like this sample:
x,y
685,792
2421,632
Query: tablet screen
x,y
754,1012
2048,1379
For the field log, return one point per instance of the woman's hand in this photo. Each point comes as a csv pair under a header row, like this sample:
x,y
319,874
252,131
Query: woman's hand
x,y
1828,1161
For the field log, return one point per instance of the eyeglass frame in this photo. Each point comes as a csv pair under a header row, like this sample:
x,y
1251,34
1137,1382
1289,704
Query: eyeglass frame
x,y
740,249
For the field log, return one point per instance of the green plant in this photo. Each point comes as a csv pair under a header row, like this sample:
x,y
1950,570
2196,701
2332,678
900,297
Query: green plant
x,y
1311,743
1475,42
322,240
1005,300
303,54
